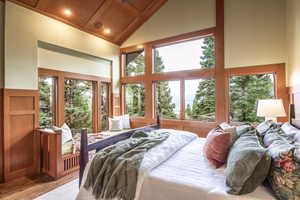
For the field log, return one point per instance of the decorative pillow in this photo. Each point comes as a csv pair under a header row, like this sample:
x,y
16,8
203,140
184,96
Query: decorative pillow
x,y
263,127
217,146
115,124
229,129
289,130
248,164
126,122
66,134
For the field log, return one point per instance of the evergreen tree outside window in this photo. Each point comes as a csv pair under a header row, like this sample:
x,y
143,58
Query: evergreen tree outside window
x,y
134,100
167,99
245,91
188,55
104,106
78,104
200,99
135,63
47,101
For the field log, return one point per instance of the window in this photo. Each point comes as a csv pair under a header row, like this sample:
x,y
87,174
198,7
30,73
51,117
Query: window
x,y
135,63
79,104
194,54
104,106
134,99
47,101
167,99
200,99
245,91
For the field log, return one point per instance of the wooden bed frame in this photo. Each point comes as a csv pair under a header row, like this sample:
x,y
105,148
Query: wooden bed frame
x,y
85,147
54,164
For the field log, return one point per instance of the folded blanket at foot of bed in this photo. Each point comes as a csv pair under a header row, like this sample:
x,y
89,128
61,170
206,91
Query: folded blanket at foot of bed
x,y
114,170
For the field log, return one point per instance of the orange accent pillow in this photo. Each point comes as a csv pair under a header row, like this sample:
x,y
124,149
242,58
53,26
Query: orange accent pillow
x,y
217,146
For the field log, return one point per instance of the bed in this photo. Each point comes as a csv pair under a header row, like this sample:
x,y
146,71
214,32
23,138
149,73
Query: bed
x,y
184,175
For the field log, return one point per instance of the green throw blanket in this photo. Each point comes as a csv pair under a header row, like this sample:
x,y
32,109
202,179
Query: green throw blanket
x,y
114,170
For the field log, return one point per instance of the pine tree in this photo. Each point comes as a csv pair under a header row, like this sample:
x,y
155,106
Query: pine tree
x,y
164,106
245,91
78,104
203,107
46,112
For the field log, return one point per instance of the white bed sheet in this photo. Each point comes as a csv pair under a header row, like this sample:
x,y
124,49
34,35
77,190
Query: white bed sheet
x,y
187,176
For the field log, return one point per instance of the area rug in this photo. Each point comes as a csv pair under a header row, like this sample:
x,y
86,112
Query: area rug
x,y
67,191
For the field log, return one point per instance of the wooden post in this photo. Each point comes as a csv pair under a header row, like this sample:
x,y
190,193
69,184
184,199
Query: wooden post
x,y
84,155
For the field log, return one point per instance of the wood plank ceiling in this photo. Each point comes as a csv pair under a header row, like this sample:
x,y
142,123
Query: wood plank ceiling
x,y
98,17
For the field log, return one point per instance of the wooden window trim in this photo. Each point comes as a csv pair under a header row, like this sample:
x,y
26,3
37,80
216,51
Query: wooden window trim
x,y
150,77
59,104
278,70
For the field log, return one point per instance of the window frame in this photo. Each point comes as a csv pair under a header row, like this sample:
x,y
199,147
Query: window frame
x,y
150,77
96,81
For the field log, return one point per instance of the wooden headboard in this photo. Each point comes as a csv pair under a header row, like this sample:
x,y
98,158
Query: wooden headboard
x,y
294,111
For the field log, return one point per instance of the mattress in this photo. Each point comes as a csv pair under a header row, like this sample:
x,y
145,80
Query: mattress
x,y
187,175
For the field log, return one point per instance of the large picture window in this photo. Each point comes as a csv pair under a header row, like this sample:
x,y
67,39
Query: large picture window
x,y
79,104
134,99
47,88
135,63
200,99
194,54
167,99
245,91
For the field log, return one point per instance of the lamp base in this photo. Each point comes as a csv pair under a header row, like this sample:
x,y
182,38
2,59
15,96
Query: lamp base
x,y
274,119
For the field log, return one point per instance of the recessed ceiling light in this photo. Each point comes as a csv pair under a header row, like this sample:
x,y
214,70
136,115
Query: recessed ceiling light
x,y
107,31
140,46
68,12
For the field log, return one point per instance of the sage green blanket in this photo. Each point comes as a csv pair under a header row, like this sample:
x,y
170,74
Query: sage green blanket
x,y
114,170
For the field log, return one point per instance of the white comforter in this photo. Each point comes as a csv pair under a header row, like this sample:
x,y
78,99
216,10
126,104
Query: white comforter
x,y
176,170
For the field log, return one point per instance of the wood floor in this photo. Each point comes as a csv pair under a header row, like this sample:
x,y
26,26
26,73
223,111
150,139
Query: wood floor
x,y
27,189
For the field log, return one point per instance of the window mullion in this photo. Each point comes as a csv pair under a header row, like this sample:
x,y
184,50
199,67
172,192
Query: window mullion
x,y
182,99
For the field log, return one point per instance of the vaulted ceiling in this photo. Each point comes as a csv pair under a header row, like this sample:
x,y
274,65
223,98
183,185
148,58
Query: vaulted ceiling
x,y
112,20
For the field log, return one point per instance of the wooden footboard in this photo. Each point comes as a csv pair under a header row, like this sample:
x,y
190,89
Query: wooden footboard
x,y
85,147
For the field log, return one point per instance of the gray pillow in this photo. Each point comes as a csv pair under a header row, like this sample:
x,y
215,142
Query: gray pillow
x,y
248,164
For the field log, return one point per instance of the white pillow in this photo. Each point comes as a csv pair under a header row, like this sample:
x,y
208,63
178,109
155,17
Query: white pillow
x,y
126,122
66,134
115,124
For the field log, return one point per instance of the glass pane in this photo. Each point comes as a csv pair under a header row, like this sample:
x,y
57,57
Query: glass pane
x,y
134,99
200,99
245,91
195,54
47,101
78,104
104,106
168,99
135,63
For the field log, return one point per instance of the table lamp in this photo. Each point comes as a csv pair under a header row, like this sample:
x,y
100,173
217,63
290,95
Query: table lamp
x,y
270,109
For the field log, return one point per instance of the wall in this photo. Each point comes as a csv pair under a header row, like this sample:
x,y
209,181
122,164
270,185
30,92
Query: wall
x,y
293,41
174,18
254,32
59,61
254,29
23,28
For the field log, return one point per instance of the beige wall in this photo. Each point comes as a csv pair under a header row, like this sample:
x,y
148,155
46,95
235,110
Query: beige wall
x,y
254,32
254,29
293,42
59,61
23,28
2,9
174,18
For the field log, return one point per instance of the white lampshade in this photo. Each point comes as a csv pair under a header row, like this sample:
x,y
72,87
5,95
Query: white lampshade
x,y
270,108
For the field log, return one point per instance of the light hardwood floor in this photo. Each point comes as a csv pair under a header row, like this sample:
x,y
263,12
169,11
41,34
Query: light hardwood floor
x,y
27,189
